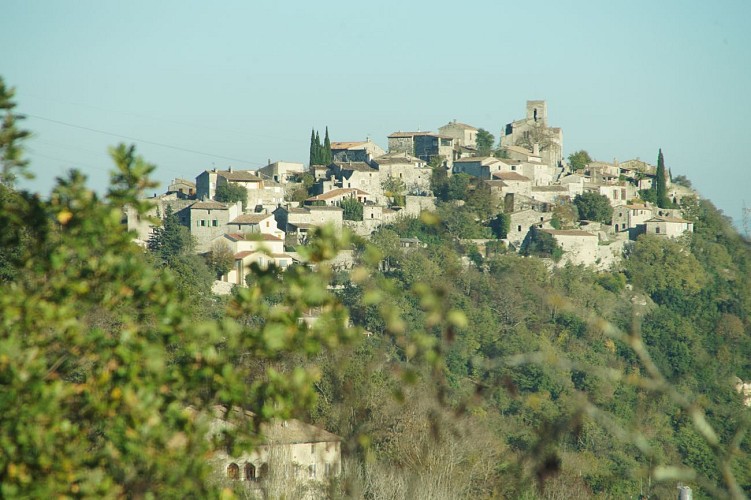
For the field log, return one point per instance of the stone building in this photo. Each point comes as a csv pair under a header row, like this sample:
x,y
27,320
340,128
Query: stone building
x,y
363,151
534,129
424,145
579,247
209,219
670,227
463,134
482,167
281,171
630,217
412,171
261,249
289,451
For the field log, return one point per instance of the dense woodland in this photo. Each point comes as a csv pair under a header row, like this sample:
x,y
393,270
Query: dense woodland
x,y
447,373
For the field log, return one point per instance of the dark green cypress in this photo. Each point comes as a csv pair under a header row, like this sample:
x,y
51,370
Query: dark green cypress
x,y
319,150
660,183
327,155
312,156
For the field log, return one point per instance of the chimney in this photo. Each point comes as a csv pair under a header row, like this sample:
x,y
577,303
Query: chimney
x,y
230,168
536,149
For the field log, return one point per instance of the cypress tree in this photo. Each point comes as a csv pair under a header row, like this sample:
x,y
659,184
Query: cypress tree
x,y
660,183
319,150
327,155
312,156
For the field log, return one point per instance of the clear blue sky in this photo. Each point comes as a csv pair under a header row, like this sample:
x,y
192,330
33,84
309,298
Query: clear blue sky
x,y
244,82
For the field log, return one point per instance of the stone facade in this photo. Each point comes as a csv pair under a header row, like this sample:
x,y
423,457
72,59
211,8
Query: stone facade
x,y
413,172
463,134
209,219
670,227
363,151
534,129
579,247
281,171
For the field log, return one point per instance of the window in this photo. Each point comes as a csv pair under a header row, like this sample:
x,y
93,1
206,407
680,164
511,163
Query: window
x,y
312,448
215,223
519,228
657,230
233,471
203,222
312,471
327,470
250,472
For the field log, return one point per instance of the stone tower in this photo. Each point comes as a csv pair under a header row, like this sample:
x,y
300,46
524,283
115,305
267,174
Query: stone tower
x,y
537,111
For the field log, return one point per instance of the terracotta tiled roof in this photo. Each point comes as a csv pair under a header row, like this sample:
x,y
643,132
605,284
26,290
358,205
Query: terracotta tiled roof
x,y
249,218
348,145
337,192
208,205
240,175
510,176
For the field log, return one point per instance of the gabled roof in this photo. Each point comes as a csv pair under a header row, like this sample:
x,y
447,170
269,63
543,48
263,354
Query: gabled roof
x,y
313,208
511,176
397,158
337,192
669,219
521,150
480,159
208,205
239,175
460,125
250,218
355,166
348,145
401,135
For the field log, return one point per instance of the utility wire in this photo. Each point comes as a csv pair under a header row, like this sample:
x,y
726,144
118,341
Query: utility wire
x,y
153,143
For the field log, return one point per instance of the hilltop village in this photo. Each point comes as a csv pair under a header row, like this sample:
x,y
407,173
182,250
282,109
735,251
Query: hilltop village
x,y
524,191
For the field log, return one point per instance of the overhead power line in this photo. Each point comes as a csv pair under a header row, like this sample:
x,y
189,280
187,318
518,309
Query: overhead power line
x,y
153,143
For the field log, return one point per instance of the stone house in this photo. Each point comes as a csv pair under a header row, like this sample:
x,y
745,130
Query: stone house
x,y
357,151
579,247
288,450
515,182
358,175
463,134
300,221
262,249
143,225
281,171
182,188
256,223
630,217
550,194
617,194
522,221
482,167
522,154
600,172
373,217
335,197
424,145
209,219
412,171
639,172
670,227
263,193
534,129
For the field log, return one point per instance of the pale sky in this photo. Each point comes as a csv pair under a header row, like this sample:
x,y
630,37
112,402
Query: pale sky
x,y
238,83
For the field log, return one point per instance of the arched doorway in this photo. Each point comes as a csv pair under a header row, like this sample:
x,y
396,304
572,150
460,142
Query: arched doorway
x,y
250,472
233,471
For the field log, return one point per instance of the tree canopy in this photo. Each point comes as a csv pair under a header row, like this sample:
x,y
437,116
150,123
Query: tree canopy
x,y
231,192
485,142
579,159
594,207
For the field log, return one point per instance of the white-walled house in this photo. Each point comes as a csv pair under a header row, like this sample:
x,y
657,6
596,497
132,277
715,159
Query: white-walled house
x,y
261,249
670,227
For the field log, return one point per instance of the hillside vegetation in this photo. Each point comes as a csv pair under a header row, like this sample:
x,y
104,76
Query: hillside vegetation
x,y
448,374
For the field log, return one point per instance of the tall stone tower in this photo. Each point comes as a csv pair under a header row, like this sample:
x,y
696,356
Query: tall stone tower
x,y
537,112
